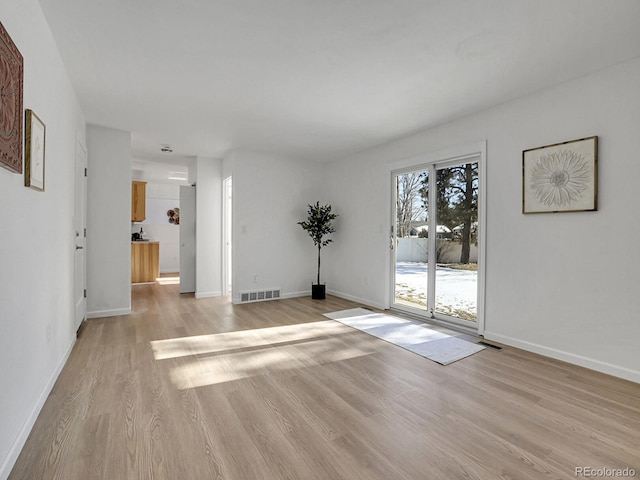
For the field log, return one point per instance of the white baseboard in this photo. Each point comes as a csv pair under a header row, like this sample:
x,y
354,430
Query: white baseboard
x,y
306,293
9,461
109,313
363,301
208,294
597,365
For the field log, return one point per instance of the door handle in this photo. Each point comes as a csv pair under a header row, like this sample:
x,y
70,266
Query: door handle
x,y
391,239
79,247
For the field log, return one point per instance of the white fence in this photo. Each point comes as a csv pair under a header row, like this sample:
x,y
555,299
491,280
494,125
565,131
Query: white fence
x,y
414,249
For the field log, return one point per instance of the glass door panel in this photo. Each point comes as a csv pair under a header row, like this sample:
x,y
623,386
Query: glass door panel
x,y
410,240
456,283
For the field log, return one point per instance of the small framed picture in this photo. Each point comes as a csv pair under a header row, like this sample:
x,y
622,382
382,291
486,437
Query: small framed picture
x,y
34,151
561,178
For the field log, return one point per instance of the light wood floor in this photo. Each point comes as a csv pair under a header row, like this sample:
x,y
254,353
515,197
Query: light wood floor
x,y
201,389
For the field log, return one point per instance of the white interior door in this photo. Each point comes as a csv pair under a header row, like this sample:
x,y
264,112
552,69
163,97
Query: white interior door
x,y
187,239
80,235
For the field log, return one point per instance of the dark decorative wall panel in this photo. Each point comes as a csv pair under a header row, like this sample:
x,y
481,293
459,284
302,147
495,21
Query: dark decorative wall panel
x,y
11,82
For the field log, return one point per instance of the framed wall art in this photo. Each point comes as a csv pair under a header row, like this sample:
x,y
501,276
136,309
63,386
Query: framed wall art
x,y
11,84
34,142
561,178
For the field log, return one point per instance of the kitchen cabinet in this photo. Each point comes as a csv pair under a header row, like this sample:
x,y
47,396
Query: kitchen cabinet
x,y
145,261
138,201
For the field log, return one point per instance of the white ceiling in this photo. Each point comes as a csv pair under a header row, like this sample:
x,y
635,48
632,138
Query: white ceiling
x,y
320,79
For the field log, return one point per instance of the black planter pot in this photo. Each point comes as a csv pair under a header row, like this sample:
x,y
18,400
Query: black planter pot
x,y
318,292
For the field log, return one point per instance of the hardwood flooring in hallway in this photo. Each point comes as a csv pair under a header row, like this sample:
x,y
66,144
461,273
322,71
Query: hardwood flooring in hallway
x,y
186,389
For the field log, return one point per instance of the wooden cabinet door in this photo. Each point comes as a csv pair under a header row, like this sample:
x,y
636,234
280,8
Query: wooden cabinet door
x,y
138,201
145,262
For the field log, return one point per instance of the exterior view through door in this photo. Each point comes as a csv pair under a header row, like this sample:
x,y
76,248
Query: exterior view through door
x,y
435,241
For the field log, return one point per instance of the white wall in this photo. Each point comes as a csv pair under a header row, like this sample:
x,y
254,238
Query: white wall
x,y
271,194
208,227
553,285
36,238
108,222
358,266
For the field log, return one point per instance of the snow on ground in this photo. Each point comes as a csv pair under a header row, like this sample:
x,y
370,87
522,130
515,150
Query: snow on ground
x,y
456,290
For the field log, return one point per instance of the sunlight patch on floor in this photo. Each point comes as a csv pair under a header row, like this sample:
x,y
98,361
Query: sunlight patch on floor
x,y
221,342
218,369
229,356
168,280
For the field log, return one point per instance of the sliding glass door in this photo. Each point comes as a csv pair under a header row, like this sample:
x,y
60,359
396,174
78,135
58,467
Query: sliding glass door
x,y
435,241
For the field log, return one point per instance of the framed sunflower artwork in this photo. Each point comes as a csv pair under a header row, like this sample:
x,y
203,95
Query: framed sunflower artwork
x,y
561,178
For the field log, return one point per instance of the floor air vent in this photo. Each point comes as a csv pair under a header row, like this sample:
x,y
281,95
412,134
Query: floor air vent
x,y
260,295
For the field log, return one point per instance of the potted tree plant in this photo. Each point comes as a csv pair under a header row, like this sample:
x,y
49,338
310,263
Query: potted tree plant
x,y
318,225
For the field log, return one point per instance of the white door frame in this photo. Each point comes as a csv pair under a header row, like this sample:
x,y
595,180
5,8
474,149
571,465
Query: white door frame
x,y
227,235
430,162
